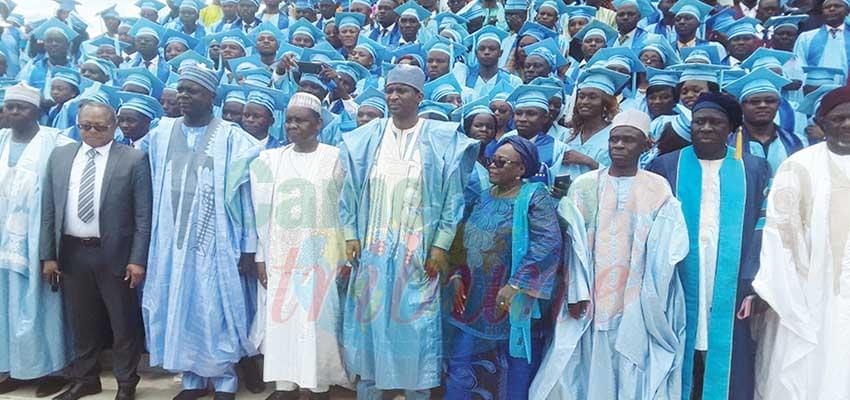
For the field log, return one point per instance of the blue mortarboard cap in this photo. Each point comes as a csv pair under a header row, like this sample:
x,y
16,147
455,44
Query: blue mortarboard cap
x,y
101,93
475,107
378,51
516,5
67,5
443,86
764,57
727,76
662,77
140,76
267,28
374,98
145,27
599,28
190,57
785,20
172,36
305,27
77,23
356,71
15,18
350,19
471,10
314,79
67,75
698,72
537,31
54,25
410,50
442,110
196,5
445,19
706,54
548,50
661,46
109,12
604,79
230,93
557,5
455,32
412,8
232,36
145,105
304,4
810,103
721,20
320,54
525,96
271,99
821,76
150,4
105,66
286,48
586,12
742,27
489,32
761,80
245,63
441,44
501,91
91,46
129,21
696,8
644,7
616,55
254,76
550,82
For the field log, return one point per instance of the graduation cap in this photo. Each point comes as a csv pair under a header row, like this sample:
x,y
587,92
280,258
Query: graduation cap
x,y
271,99
586,12
662,77
604,79
785,20
254,76
821,76
173,36
196,5
367,3
150,5
286,48
350,19
429,109
235,36
91,46
413,9
471,10
144,27
721,20
551,82
305,27
145,105
303,4
128,21
445,19
809,105
374,98
660,45
315,80
644,7
441,87
696,8
105,66
704,54
501,91
623,56
548,50
489,32
77,23
230,94
245,63
17,19
190,57
68,75
764,57
101,93
141,77
54,25
516,5
598,28
267,28
742,27
109,12
527,96
356,71
761,80
320,55
378,51
537,31
67,5
411,50
475,107
446,46
557,5
727,76
698,72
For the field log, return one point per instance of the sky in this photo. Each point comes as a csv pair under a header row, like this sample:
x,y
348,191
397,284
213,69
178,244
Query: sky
x,y
36,9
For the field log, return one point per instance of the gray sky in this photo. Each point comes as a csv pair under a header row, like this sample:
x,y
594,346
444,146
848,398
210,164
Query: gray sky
x,y
35,9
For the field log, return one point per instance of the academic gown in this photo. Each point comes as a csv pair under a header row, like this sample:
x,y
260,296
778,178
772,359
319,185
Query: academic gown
x,y
33,342
743,186
812,47
163,69
196,312
37,74
775,151
199,32
636,42
397,341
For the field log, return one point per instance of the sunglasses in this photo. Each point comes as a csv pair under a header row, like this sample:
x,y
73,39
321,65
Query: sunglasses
x,y
501,162
89,127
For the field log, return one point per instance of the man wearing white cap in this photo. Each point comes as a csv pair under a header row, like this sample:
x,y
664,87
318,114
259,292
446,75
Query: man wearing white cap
x,y
32,335
621,339
296,194
722,191
195,306
401,202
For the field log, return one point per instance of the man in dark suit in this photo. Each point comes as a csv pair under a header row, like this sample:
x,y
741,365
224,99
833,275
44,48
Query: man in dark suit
x,y
96,224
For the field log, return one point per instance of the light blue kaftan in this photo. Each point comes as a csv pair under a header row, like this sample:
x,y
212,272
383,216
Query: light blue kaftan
x,y
392,330
32,335
197,317
625,237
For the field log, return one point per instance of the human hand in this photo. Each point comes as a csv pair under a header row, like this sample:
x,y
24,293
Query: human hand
x,y
438,261
135,275
261,274
50,271
505,297
578,310
246,264
747,307
459,306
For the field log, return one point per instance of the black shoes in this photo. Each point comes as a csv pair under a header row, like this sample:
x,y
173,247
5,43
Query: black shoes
x,y
79,390
251,376
126,393
50,385
10,385
224,396
320,396
284,395
191,394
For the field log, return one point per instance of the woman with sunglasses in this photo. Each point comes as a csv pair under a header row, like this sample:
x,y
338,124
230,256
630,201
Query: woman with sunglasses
x,y
512,245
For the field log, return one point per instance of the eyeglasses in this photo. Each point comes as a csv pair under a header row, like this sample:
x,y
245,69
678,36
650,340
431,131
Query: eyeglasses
x,y
501,162
90,127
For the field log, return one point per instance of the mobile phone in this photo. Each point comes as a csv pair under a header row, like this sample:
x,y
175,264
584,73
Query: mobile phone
x,y
562,183
309,67
54,283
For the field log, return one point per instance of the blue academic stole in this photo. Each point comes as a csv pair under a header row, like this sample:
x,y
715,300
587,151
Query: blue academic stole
x,y
815,53
472,77
524,308
733,198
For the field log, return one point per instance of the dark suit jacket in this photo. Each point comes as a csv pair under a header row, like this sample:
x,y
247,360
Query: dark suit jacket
x,y
125,205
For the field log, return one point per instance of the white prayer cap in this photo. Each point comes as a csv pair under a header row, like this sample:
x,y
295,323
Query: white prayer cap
x,y
306,100
23,92
633,118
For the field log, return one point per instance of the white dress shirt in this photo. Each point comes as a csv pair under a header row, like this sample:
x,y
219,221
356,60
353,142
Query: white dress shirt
x,y
74,226
709,235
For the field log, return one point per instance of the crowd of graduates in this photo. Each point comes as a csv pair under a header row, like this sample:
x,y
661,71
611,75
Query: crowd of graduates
x,y
511,198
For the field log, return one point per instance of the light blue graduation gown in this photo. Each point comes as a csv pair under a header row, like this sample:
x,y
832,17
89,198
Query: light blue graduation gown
x,y
397,341
196,315
596,148
812,47
32,335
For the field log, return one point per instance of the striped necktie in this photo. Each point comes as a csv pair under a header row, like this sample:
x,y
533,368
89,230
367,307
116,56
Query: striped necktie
x,y
86,196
